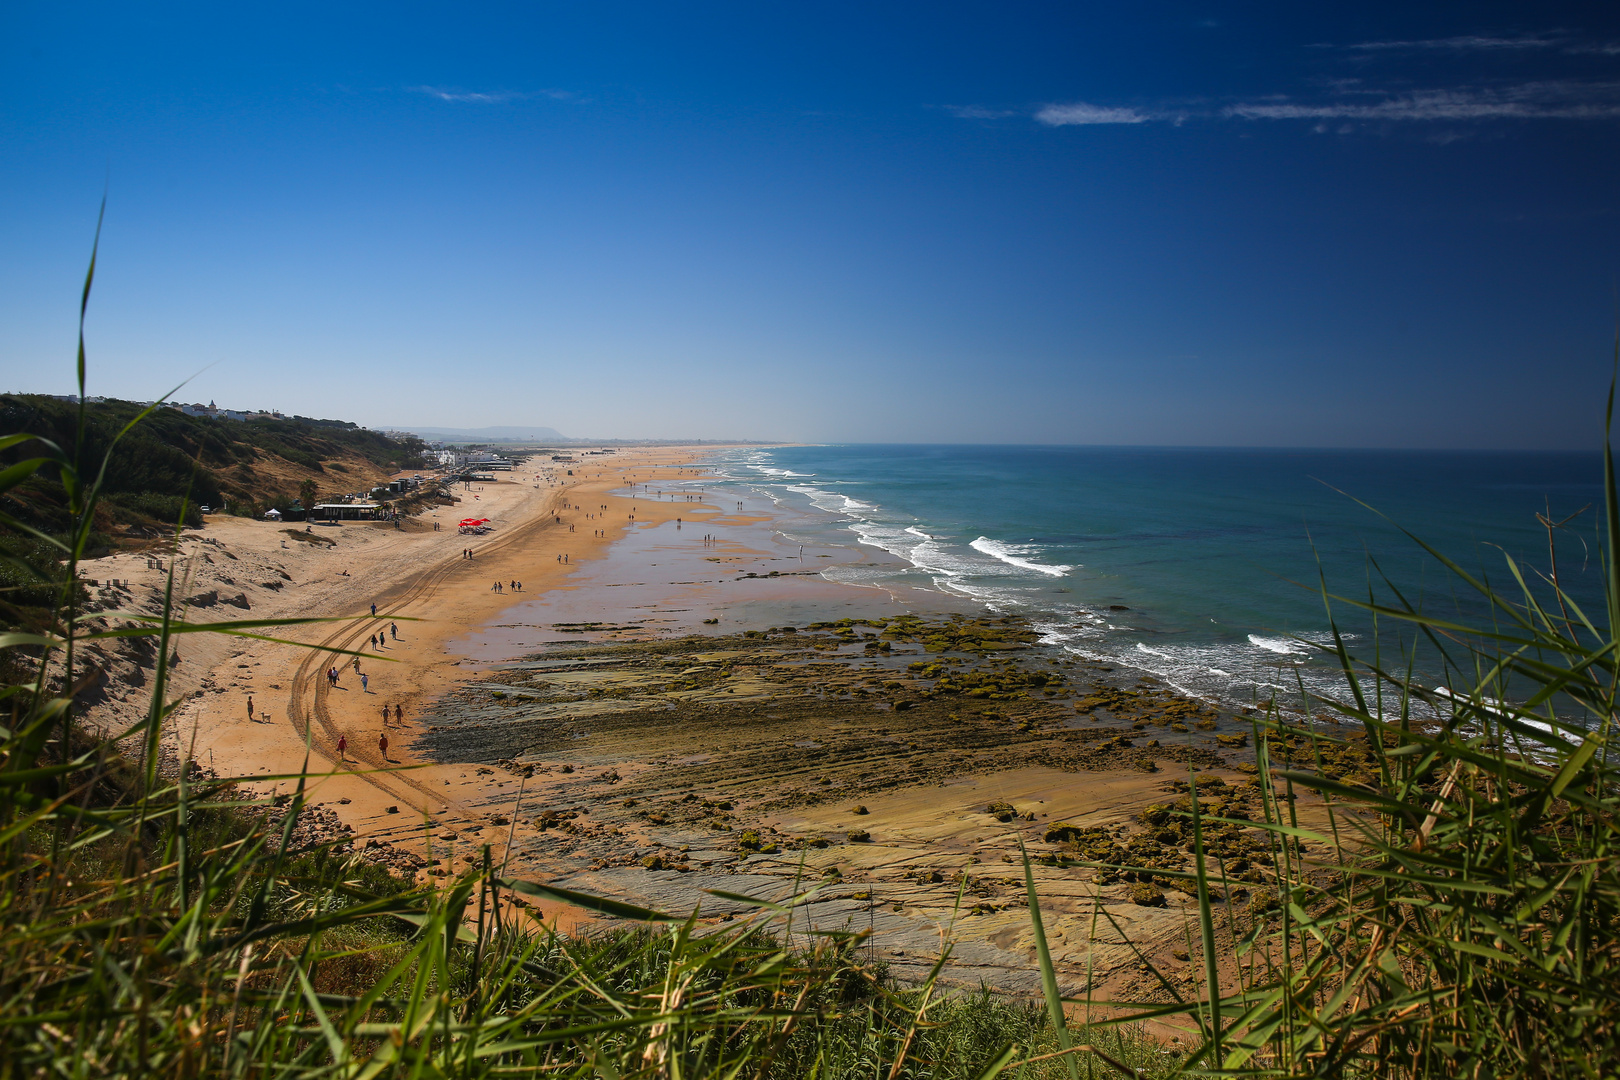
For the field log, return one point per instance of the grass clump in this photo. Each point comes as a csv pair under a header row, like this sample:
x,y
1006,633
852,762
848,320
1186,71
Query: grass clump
x,y
1454,910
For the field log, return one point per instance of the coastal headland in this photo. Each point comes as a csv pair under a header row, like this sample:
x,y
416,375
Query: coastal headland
x,y
685,706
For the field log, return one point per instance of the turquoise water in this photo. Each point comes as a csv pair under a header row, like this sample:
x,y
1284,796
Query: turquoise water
x,y
1179,562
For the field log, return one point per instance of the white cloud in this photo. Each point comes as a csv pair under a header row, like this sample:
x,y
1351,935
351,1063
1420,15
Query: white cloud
x,y
463,95
1464,43
1081,113
1528,101
499,97
979,112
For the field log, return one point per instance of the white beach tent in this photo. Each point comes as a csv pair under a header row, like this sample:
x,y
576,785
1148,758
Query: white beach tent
x,y
272,514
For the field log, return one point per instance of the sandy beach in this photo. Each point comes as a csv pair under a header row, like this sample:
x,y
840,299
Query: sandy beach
x,y
685,705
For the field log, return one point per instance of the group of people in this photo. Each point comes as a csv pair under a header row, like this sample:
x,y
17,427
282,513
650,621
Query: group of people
x,y
343,747
380,639
398,711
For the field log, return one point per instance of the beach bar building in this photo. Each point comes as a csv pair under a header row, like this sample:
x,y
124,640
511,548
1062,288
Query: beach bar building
x,y
357,511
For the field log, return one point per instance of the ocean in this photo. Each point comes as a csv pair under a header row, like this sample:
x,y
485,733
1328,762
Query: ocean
x,y
1199,566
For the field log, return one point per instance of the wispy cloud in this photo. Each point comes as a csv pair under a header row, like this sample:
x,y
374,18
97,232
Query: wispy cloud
x,y
979,112
1348,104
1558,40
1527,101
496,97
1080,112
1464,43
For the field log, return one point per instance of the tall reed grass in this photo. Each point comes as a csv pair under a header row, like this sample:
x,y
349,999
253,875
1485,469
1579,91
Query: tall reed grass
x,y
1461,913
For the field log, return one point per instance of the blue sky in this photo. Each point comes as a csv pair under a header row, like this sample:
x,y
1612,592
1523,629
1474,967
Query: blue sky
x,y
1156,223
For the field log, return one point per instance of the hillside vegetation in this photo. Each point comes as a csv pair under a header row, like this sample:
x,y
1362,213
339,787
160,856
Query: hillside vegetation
x,y
171,459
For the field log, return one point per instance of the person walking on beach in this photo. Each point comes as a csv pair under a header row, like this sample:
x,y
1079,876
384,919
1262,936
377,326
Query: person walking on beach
x,y
385,714
250,706
365,681
357,665
382,745
399,713
373,611
394,630
343,748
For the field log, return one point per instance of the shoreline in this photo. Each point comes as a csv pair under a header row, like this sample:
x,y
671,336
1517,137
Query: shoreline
x,y
649,585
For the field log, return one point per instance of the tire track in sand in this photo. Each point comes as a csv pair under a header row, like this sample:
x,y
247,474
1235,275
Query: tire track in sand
x,y
311,671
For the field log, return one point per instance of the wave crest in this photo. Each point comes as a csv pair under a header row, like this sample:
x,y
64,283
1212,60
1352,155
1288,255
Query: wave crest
x,y
1013,555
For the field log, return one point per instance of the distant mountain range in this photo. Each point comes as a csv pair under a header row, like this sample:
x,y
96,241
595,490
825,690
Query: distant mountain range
x,y
491,434
531,435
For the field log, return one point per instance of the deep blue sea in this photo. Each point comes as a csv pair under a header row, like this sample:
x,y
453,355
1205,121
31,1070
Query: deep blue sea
x,y
1198,566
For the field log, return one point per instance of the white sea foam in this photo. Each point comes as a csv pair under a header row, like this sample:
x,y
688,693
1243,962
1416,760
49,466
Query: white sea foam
x,y
1014,555
1284,646
1501,712
1009,577
820,498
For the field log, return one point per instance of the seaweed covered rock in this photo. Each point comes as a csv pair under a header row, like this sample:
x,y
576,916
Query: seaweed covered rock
x,y
1144,894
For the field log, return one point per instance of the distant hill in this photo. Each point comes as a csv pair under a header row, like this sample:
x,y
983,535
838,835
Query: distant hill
x,y
171,464
490,434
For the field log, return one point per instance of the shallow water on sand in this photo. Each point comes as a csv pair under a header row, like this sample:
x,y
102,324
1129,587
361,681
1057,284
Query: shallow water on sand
x,y
661,580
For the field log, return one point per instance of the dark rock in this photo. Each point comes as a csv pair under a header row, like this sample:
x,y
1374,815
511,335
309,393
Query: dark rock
x,y
1146,895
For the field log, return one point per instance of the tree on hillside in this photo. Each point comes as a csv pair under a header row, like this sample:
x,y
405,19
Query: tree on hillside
x,y
306,494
